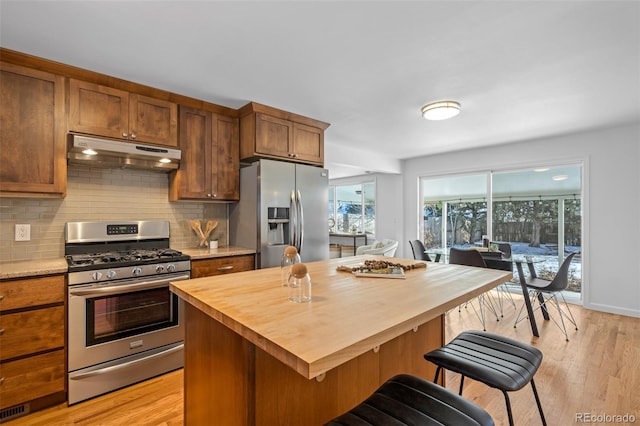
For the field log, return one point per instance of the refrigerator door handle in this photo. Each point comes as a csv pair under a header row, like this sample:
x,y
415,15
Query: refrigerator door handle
x,y
300,223
293,229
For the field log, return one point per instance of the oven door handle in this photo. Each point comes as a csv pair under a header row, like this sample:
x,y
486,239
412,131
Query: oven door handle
x,y
126,288
78,376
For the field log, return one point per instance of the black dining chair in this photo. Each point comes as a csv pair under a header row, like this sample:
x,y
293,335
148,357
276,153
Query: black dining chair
x,y
504,248
418,250
503,289
547,291
472,257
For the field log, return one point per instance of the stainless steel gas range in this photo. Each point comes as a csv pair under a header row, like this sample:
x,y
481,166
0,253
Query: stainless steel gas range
x,y
125,325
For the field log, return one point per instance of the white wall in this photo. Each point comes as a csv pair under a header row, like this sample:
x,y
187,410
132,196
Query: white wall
x,y
611,233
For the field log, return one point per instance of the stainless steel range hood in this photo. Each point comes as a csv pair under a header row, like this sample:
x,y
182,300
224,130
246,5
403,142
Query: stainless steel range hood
x,y
121,154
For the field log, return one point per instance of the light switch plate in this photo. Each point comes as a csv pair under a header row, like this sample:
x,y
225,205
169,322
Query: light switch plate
x,y
23,232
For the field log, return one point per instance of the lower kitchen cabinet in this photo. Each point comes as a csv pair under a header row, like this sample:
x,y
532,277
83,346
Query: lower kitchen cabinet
x,y
221,265
32,338
32,378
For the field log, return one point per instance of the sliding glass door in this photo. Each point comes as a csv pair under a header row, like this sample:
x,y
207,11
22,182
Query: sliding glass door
x,y
537,211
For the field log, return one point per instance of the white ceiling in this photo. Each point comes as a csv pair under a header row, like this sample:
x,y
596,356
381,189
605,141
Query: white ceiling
x,y
520,69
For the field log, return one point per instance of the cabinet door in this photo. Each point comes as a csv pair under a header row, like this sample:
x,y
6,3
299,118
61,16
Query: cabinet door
x,y
193,179
32,125
32,331
308,143
33,377
273,136
31,292
98,110
226,159
153,120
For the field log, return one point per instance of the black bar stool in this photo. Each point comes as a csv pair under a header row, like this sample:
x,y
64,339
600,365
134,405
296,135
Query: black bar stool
x,y
497,361
410,400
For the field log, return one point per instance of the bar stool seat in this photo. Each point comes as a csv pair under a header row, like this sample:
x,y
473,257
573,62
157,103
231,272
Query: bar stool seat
x,y
497,361
410,400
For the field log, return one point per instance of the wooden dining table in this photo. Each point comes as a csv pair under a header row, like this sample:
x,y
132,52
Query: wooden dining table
x,y
252,357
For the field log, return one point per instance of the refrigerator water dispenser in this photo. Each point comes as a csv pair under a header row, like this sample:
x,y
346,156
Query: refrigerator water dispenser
x,y
278,223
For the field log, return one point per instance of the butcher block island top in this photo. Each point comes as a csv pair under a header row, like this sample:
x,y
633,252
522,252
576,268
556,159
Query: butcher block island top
x,y
347,316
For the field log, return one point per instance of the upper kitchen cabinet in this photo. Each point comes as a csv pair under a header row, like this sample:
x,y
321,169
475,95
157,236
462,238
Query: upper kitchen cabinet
x,y
105,111
32,125
267,132
210,165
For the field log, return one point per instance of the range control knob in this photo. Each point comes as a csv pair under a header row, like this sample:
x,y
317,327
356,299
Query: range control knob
x,y
96,276
136,271
171,267
159,268
111,274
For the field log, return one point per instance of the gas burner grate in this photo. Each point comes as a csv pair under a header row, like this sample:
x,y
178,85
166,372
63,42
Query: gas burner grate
x,y
121,257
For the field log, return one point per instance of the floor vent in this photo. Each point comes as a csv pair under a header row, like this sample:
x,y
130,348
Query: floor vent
x,y
13,412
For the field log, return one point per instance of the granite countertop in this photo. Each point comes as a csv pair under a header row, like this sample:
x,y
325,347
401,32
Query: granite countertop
x,y
32,268
36,267
226,251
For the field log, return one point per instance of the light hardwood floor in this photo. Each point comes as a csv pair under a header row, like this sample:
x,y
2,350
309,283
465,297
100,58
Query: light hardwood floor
x,y
597,372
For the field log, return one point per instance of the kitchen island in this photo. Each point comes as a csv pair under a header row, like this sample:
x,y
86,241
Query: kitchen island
x,y
252,357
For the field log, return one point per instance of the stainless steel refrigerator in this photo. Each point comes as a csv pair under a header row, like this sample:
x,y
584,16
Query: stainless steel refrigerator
x,y
281,204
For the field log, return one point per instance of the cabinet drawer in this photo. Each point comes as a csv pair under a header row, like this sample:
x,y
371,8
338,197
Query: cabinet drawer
x,y
221,265
24,333
25,293
31,378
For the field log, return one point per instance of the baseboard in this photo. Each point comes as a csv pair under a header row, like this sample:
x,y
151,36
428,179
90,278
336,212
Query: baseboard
x,y
613,310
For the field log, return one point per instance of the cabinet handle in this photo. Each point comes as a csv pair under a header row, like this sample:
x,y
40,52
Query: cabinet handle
x,y
1,331
1,297
225,268
1,380
133,135
125,135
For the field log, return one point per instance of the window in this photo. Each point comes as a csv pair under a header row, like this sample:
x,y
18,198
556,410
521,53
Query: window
x,y
454,210
352,208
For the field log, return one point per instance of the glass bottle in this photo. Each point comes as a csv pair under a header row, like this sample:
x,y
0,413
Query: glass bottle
x,y
289,258
299,284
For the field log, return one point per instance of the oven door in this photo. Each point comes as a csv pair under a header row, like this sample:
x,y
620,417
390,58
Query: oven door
x,y
117,319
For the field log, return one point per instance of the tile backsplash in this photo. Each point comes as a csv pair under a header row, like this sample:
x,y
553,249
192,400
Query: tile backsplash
x,y
101,194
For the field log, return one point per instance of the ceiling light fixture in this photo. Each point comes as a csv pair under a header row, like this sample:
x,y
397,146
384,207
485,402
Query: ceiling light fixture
x,y
441,110
560,177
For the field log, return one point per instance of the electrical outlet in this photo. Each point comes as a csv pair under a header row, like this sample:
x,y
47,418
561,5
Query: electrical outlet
x,y
23,232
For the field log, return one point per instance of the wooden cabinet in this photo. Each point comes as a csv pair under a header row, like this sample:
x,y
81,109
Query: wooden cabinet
x,y
221,265
32,337
266,132
106,111
210,165
32,125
